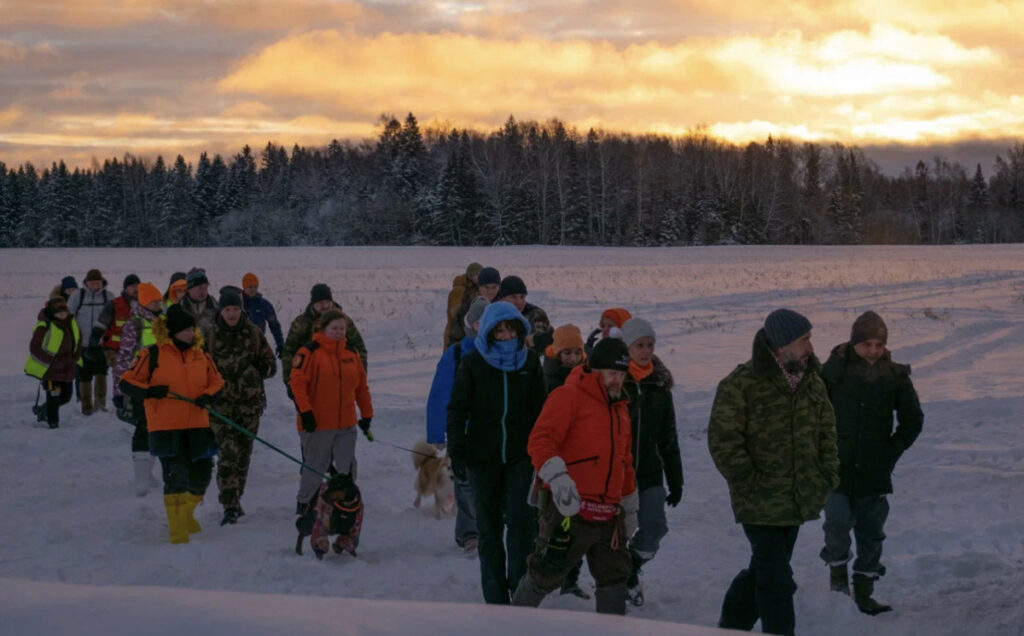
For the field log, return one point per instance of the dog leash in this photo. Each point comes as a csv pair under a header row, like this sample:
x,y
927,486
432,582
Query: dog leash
x,y
408,450
259,439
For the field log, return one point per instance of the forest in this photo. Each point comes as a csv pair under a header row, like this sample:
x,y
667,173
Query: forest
x,y
524,183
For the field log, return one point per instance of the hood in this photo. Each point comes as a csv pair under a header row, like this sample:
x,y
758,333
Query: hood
x,y
764,359
495,313
163,337
459,282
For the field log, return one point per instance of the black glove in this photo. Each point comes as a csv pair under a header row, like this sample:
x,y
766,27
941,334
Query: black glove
x,y
158,391
458,468
308,421
364,424
279,351
204,401
675,495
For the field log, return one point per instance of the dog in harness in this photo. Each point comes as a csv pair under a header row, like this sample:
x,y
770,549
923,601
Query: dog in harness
x,y
336,510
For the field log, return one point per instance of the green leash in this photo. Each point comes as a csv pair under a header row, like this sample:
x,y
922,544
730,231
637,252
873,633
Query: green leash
x,y
225,419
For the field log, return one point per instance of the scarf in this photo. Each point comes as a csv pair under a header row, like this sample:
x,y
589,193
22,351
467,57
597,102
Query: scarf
x,y
638,372
507,355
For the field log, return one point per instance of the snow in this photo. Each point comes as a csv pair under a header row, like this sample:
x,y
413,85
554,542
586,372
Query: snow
x,y
80,549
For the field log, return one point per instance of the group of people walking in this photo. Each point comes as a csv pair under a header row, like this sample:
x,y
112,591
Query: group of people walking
x,y
562,450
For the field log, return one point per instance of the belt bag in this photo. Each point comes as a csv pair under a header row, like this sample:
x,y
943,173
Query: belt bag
x,y
594,511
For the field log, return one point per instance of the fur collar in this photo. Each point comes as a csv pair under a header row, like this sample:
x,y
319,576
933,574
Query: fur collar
x,y
162,336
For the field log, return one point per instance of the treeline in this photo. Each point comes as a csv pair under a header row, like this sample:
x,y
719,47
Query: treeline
x,y
525,183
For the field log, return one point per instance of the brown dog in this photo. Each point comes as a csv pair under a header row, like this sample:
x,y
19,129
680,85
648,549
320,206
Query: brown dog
x,y
433,478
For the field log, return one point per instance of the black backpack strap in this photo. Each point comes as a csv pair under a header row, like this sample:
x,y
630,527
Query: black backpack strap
x,y
154,357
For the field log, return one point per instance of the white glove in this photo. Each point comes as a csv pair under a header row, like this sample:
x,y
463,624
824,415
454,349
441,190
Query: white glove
x,y
630,505
563,488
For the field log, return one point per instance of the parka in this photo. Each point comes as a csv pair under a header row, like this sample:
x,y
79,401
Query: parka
x,y
656,453
328,379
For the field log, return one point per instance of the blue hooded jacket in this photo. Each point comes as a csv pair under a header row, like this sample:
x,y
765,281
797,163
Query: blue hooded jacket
x,y
441,389
262,313
508,355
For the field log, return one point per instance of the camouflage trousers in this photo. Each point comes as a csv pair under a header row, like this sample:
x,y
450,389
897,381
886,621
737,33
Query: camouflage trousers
x,y
235,453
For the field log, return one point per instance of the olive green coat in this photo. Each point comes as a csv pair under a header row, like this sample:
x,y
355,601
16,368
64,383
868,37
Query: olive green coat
x,y
775,447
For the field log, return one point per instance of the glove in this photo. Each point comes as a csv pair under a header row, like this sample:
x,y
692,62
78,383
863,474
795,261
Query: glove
x,y
157,391
308,421
563,489
675,495
458,468
630,504
204,401
364,424
279,351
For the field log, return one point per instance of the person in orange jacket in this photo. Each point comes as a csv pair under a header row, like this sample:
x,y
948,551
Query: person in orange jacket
x,y
179,427
581,447
328,381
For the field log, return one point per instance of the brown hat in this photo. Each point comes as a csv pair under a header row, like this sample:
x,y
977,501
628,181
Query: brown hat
x,y
566,337
93,274
868,326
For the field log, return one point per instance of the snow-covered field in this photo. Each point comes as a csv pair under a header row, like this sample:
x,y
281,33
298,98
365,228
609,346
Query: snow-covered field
x,y
78,545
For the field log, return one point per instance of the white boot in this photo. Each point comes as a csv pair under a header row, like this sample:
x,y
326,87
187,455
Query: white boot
x,y
143,463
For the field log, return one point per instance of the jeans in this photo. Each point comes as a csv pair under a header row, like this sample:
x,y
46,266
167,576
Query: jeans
x,y
465,519
866,517
651,523
765,588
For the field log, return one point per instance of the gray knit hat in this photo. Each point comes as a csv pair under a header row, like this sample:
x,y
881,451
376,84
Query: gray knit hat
x,y
783,326
475,312
636,328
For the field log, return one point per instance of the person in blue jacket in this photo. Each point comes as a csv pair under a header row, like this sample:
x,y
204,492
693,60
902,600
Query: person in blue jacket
x,y
261,312
437,416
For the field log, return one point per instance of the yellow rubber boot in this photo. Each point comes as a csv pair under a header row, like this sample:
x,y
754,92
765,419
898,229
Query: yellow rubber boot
x,y
190,503
176,518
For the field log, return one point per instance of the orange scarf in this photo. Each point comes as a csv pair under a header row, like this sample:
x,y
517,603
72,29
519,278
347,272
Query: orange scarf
x,y
638,372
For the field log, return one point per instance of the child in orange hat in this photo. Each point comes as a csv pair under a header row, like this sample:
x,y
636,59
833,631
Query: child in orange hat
x,y
610,324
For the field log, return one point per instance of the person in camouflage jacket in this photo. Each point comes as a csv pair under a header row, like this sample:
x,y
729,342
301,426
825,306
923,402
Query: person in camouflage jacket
x,y
301,330
772,436
244,359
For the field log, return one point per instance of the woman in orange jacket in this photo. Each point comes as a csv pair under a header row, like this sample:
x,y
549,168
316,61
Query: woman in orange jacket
x,y
328,381
179,429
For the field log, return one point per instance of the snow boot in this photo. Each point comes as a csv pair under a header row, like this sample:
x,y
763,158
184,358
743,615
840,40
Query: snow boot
x,y
527,593
231,515
191,501
611,600
100,391
143,465
839,579
85,392
634,586
177,517
863,588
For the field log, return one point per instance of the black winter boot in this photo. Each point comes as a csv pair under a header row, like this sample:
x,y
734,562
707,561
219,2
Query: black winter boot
x,y
839,579
635,590
863,588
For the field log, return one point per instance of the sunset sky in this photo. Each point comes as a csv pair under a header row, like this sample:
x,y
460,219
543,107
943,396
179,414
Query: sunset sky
x,y
82,79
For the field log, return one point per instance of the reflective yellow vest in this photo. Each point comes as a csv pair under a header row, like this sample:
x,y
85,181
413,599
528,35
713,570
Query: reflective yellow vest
x,y
51,344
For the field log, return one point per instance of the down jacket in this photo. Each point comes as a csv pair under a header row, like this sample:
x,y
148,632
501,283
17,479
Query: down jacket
x,y
328,379
655,441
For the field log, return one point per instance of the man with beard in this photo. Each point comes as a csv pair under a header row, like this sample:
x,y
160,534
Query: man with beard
x,y
772,436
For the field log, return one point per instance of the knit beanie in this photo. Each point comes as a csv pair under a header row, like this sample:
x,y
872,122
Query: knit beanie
x,y
475,311
783,326
636,328
473,269
68,282
148,293
510,285
488,276
93,274
196,277
868,326
565,337
178,320
176,276
229,297
617,315
130,279
320,292
250,280
610,353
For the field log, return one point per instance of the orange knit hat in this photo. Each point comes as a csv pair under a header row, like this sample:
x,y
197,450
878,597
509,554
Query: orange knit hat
x,y
250,280
618,315
148,292
566,337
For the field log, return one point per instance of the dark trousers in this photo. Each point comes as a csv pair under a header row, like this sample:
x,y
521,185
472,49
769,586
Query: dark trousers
x,y
765,589
140,438
91,367
186,458
57,395
866,517
499,499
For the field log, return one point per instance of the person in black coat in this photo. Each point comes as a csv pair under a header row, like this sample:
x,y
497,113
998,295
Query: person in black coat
x,y
865,387
498,394
656,456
